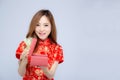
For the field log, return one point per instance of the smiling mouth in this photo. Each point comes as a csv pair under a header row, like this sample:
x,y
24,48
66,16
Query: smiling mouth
x,y
41,34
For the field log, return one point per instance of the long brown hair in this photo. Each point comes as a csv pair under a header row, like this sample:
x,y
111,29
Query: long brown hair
x,y
35,20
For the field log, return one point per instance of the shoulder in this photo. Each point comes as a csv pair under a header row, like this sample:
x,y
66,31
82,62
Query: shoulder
x,y
57,47
58,51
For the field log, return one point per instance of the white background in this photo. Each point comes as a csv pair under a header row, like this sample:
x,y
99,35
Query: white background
x,y
88,30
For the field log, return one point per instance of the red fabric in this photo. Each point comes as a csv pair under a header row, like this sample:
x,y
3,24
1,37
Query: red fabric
x,y
20,49
54,52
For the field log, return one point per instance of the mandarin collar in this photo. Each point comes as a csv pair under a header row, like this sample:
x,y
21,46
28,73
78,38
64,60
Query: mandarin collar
x,y
44,42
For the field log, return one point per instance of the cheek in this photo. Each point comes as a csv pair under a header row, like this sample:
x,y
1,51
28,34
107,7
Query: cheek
x,y
48,29
36,30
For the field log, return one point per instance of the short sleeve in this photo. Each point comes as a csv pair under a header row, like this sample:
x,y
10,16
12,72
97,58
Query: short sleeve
x,y
59,54
20,49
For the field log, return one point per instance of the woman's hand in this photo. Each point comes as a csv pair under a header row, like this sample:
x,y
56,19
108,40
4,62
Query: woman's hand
x,y
24,57
23,63
50,73
43,68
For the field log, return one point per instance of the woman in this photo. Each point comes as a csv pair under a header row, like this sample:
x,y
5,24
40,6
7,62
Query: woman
x,y
43,28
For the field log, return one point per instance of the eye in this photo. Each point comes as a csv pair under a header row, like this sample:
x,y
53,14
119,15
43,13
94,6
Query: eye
x,y
45,25
37,25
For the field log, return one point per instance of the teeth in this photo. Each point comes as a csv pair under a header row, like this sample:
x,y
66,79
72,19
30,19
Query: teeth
x,y
42,33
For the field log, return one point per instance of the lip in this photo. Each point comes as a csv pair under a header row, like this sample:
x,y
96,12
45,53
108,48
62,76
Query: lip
x,y
41,34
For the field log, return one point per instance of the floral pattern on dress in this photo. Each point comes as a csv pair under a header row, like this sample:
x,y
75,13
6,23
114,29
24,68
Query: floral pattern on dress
x,y
20,49
54,52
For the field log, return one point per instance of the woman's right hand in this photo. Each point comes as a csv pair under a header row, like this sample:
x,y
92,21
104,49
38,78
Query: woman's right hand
x,y
23,62
24,57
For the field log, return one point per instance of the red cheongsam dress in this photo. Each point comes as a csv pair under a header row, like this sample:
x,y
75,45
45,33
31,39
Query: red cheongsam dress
x,y
54,52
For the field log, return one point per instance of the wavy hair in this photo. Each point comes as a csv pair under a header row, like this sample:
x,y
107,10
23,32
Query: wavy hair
x,y
35,20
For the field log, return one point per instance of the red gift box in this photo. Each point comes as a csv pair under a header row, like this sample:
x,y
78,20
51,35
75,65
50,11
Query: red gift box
x,y
36,60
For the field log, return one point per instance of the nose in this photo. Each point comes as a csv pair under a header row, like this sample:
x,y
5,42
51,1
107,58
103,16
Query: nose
x,y
41,28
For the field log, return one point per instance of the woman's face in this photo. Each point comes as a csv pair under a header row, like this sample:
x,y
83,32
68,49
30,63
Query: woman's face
x,y
43,28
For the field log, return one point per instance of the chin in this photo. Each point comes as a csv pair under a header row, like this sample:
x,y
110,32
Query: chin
x,y
42,38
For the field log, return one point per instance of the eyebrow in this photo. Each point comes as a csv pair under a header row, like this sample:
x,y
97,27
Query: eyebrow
x,y
43,23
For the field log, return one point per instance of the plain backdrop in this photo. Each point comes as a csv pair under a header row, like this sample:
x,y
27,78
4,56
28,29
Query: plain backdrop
x,y
88,30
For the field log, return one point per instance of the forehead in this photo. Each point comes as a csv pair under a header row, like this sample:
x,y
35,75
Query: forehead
x,y
44,19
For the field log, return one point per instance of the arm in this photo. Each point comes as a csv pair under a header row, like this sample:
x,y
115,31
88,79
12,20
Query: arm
x,y
22,64
50,73
59,58
21,54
